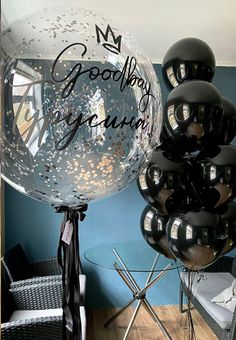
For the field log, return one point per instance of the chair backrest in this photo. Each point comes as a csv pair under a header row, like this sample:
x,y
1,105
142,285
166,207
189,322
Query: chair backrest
x,y
7,304
16,264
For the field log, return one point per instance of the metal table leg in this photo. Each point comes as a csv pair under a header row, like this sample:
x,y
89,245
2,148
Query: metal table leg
x,y
132,319
138,293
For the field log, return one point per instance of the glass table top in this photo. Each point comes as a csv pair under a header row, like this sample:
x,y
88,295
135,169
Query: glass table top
x,y
137,256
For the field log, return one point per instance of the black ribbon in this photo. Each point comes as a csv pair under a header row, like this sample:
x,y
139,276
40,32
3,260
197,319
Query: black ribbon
x,y
68,259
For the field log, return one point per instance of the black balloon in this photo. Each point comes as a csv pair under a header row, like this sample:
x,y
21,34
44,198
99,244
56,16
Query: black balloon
x,y
153,227
219,177
188,59
228,128
161,183
229,220
193,188
168,144
193,114
197,239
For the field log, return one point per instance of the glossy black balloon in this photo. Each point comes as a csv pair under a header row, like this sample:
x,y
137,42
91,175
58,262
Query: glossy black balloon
x,y
161,183
168,144
219,181
193,114
153,228
188,59
229,221
228,128
197,239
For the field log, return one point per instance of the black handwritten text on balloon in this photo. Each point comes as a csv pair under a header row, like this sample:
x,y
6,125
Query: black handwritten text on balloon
x,y
55,117
126,77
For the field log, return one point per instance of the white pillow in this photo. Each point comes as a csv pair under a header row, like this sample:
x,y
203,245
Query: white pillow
x,y
227,298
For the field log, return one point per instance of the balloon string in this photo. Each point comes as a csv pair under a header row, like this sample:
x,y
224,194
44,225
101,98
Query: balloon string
x,y
68,259
192,334
193,186
191,330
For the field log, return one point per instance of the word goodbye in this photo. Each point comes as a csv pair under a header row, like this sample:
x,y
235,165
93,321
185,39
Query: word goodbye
x,y
126,76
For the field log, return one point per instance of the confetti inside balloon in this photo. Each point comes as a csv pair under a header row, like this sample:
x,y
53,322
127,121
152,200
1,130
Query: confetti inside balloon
x,y
82,106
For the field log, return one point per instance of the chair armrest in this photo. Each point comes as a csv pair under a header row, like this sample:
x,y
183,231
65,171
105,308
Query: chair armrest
x,y
37,329
36,280
46,280
46,267
45,295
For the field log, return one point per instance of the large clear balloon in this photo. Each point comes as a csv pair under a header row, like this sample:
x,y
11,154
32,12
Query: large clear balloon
x,y
82,106
197,238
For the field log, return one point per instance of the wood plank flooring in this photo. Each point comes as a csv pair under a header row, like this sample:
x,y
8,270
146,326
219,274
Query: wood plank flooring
x,y
144,328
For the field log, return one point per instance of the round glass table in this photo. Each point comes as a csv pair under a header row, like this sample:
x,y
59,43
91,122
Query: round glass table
x,y
129,257
137,255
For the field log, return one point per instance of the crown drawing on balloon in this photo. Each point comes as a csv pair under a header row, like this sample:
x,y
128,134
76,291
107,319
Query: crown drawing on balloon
x,y
103,38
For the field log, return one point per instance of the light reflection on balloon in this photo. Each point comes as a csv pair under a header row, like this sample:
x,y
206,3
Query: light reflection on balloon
x,y
153,228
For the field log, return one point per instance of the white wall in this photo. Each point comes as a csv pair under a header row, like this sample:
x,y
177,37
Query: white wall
x,y
157,24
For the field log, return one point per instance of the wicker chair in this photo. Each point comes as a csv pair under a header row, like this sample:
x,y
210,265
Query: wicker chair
x,y
19,272
34,287
37,318
223,265
17,267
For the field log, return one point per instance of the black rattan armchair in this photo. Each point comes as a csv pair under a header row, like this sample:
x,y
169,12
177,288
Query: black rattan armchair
x,y
17,267
223,265
18,272
37,313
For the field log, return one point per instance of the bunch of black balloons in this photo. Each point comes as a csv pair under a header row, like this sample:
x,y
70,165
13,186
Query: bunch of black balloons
x,y
190,180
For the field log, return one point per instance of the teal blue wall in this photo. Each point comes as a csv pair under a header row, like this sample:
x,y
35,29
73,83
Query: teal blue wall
x,y
36,226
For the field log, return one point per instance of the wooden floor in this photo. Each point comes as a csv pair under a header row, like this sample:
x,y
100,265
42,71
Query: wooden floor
x,y
144,327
